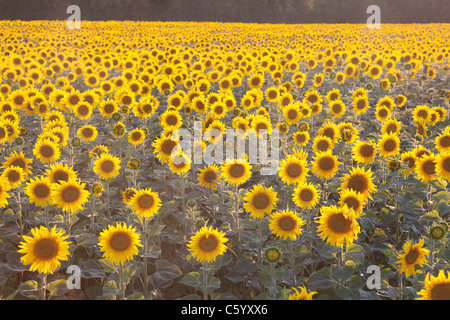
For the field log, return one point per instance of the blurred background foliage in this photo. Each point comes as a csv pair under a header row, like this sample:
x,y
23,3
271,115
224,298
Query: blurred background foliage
x,y
256,11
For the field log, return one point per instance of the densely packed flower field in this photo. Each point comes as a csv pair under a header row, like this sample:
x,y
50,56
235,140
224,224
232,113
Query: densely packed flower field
x,y
103,198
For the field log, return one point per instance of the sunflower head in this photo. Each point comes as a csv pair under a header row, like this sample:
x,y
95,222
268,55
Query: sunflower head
x,y
44,249
207,244
119,243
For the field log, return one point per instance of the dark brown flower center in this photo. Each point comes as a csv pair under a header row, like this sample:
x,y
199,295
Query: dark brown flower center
x,y
441,291
294,170
261,201
208,243
70,194
358,183
120,241
41,190
339,224
145,201
287,223
47,151
107,166
45,249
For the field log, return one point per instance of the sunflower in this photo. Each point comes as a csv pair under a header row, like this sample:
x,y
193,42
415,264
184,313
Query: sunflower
x,y
259,201
312,96
46,151
443,165
436,288
391,126
301,138
330,130
426,168
302,295
207,244
164,146
389,145
107,108
71,195
442,142
107,166
353,200
40,191
420,151
14,175
292,113
333,95
421,114
382,113
413,254
325,165
236,172
4,195
83,110
119,243
272,94
44,250
136,136
179,163
359,180
374,71
170,119
15,159
145,203
87,133
209,176
337,108
322,144
306,195
293,170
215,131
338,225
256,81
261,124
410,161
286,224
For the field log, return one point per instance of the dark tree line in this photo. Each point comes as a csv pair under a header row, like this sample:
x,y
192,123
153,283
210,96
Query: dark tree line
x,y
259,11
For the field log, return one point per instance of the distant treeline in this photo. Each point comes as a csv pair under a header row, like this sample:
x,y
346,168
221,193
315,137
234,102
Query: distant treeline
x,y
259,11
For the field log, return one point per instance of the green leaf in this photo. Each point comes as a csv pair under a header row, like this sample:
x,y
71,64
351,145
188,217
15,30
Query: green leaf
x,y
326,250
57,288
29,289
322,279
166,273
155,229
91,269
342,273
192,279
111,289
153,252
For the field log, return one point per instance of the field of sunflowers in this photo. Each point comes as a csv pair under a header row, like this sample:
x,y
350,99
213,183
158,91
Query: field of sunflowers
x,y
101,199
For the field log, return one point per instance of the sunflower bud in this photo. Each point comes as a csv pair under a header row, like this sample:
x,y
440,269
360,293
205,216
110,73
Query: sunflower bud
x,y
19,141
134,164
116,116
394,165
76,141
437,232
272,254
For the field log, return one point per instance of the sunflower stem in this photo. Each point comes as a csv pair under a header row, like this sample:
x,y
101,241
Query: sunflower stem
x,y
236,210
273,279
205,280
121,281
292,260
144,233
43,291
